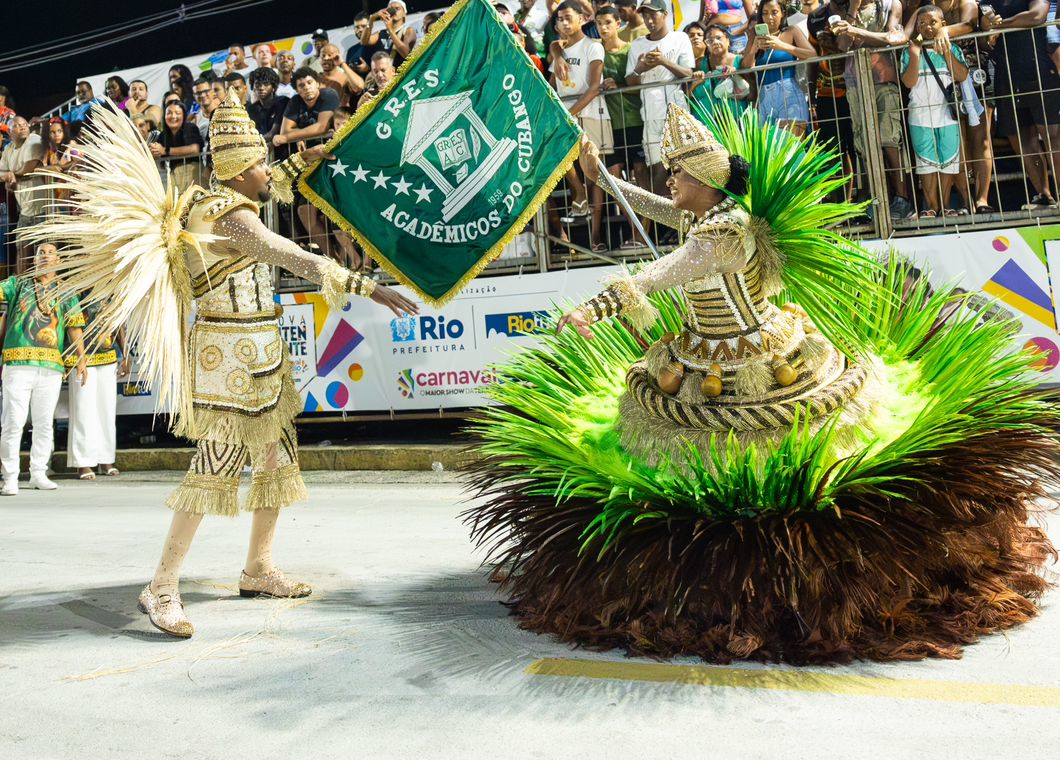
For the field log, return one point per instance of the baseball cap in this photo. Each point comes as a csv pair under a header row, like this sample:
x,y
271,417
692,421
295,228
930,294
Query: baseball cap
x,y
653,5
320,34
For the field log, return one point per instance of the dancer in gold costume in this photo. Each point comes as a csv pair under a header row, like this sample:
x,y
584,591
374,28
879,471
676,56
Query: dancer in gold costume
x,y
145,256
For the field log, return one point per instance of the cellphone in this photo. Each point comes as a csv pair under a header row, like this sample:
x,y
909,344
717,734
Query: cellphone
x,y
761,30
986,10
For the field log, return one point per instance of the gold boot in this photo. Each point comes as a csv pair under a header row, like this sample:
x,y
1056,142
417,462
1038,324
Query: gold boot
x,y
274,583
166,613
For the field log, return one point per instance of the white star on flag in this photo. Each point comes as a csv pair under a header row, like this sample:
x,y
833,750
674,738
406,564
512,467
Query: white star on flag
x,y
338,168
401,187
424,193
380,180
360,174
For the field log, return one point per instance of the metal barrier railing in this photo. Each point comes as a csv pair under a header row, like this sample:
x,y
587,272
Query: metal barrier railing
x,y
997,181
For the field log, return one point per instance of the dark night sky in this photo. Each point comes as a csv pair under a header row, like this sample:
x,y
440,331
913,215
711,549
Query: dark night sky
x,y
33,23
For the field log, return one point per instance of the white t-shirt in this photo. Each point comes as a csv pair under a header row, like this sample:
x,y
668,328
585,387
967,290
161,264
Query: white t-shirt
x,y
536,19
578,57
676,47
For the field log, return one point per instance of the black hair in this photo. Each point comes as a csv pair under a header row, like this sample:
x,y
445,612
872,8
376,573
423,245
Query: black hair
x,y
4,92
140,81
210,76
783,10
123,88
739,173
264,76
625,3
929,8
608,10
235,76
84,81
185,80
362,15
304,73
200,80
695,25
570,5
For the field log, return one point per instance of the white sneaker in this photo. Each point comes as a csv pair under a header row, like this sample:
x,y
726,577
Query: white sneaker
x,y
40,481
10,488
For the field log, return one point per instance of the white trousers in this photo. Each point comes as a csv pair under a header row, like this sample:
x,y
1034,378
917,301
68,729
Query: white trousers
x,y
29,392
92,417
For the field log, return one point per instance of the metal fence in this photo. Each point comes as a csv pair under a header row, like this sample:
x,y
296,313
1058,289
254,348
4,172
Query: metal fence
x,y
992,165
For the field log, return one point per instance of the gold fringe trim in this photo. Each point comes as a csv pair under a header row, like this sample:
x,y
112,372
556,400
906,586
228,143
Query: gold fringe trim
x,y
276,489
366,110
249,431
657,358
770,259
206,495
755,378
637,308
691,391
333,281
815,350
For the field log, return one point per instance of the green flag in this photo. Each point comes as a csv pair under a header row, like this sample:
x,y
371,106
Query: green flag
x,y
436,174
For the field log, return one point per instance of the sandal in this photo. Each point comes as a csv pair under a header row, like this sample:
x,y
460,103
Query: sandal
x,y
598,247
110,472
927,214
984,208
952,212
87,476
632,245
579,208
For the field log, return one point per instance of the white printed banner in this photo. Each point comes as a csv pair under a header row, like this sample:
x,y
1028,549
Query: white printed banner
x,y
362,359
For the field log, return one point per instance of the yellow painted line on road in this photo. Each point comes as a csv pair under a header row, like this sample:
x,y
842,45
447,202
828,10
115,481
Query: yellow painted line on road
x,y
802,680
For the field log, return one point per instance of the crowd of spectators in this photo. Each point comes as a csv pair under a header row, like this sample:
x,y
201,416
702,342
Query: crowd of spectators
x,y
940,83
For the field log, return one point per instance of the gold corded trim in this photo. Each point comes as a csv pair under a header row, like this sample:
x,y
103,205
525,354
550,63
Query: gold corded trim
x,y
76,320
366,110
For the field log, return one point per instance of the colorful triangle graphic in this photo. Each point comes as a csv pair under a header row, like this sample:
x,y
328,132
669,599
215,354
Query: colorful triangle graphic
x,y
1014,287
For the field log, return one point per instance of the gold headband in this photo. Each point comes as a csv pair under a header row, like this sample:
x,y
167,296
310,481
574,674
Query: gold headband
x,y
689,144
234,139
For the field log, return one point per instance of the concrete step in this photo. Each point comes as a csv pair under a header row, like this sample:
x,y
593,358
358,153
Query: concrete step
x,y
335,458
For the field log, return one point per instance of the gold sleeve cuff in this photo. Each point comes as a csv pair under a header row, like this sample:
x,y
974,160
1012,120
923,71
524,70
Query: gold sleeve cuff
x,y
337,283
284,175
603,306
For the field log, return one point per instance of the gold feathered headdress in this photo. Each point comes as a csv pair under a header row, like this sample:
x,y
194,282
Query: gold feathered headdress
x,y
689,144
235,141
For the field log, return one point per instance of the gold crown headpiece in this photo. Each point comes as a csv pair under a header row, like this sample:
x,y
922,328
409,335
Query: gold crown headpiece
x,y
235,141
687,142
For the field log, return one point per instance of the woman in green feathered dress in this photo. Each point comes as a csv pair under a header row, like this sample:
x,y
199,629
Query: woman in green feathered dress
x,y
656,488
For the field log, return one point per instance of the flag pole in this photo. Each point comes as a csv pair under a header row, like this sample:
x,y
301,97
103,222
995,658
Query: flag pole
x,y
625,205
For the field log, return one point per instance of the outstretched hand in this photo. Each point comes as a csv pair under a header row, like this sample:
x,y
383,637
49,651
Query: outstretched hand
x,y
578,321
394,301
314,154
589,159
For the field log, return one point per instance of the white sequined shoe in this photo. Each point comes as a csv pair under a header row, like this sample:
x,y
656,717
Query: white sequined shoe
x,y
166,613
273,583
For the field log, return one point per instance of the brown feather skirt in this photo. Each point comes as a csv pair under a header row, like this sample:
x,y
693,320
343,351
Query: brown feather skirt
x,y
925,573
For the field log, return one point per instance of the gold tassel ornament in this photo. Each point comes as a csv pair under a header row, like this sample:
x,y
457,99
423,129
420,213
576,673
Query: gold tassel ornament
x,y
754,378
